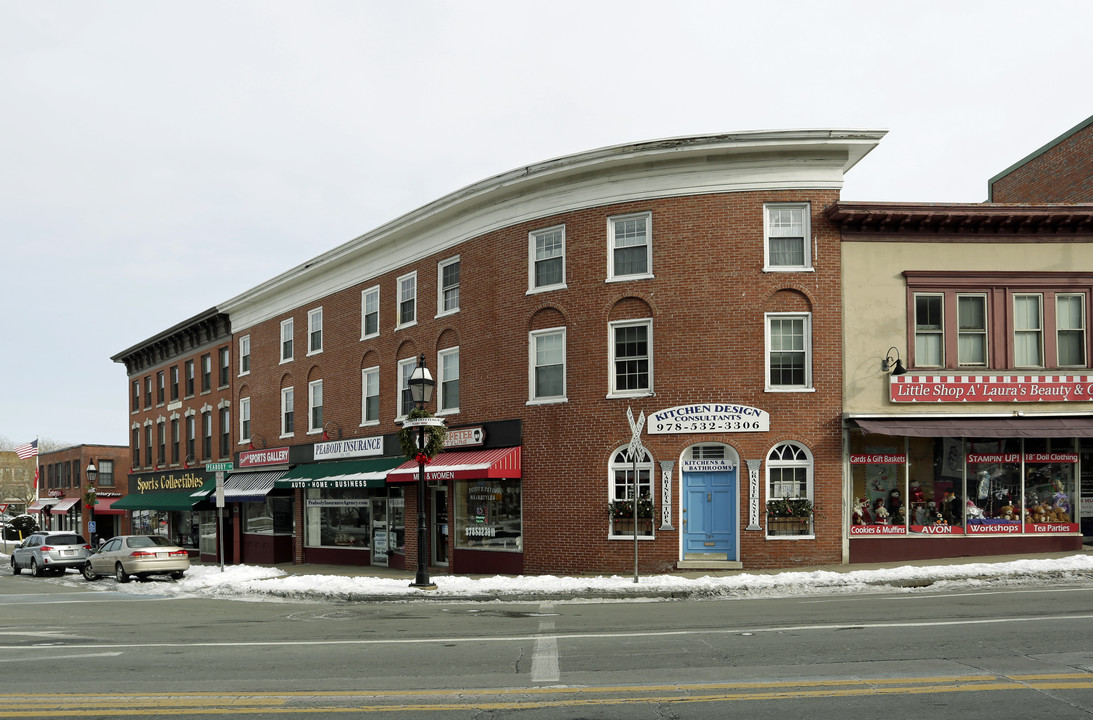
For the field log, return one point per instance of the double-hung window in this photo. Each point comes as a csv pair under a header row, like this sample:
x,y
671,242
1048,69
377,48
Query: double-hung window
x,y
206,435
1070,330
789,351
147,392
136,396
1028,331
370,396
630,247
631,361
191,437
206,372
405,399
225,432
148,444
315,406
286,340
315,331
548,366
244,420
135,442
174,441
174,383
546,250
244,355
370,313
971,330
161,387
225,367
407,300
788,234
288,411
161,438
448,385
189,378
929,330
447,290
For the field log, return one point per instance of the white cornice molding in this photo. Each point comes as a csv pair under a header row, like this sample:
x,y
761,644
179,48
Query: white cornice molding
x,y
675,167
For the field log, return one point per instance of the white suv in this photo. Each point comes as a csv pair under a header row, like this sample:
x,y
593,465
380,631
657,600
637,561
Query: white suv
x,y
53,552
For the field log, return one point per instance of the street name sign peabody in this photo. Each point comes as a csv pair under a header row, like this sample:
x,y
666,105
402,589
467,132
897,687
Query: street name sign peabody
x,y
219,467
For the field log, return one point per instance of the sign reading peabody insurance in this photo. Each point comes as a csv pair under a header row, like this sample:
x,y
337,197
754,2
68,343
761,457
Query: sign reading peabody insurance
x,y
708,417
991,388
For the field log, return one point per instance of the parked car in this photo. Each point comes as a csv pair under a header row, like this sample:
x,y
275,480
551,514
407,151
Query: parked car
x,y
141,555
52,551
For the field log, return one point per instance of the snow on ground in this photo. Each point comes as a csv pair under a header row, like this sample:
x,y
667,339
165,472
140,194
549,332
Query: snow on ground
x,y
260,583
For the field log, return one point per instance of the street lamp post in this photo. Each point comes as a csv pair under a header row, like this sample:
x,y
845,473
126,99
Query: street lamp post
x,y
421,385
91,499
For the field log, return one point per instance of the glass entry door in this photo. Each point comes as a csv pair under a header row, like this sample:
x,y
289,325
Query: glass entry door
x,y
440,526
380,537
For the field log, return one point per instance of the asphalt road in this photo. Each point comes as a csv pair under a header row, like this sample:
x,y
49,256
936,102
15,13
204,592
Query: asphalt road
x,y
72,650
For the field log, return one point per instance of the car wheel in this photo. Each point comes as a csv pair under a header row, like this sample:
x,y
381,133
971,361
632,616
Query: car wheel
x,y
120,575
177,575
89,572
15,569
34,569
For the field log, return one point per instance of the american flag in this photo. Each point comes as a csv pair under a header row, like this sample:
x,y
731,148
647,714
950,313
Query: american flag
x,y
27,450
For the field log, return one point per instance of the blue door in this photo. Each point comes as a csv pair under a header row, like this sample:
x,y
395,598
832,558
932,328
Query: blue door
x,y
709,514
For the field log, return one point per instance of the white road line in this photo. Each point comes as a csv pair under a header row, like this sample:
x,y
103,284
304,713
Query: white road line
x,y
66,656
544,658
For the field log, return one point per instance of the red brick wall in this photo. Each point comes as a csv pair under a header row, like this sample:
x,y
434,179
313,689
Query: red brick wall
x,y
1062,174
707,301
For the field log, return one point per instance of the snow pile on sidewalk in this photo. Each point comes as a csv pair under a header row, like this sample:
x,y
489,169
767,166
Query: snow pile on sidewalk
x,y
249,582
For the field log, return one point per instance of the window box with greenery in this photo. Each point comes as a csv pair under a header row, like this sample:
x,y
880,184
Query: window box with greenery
x,y
622,517
789,517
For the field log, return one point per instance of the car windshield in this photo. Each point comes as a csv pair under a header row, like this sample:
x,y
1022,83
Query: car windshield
x,y
65,540
148,541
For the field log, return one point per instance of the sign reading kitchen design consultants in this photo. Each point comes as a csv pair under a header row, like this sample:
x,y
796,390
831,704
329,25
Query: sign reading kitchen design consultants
x,y
708,417
354,447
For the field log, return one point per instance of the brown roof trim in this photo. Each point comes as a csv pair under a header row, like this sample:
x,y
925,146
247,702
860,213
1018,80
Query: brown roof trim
x,y
974,222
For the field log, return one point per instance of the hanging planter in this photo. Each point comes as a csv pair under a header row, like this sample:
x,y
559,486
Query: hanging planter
x,y
434,438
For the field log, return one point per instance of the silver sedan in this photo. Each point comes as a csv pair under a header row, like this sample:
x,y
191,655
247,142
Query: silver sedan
x,y
141,555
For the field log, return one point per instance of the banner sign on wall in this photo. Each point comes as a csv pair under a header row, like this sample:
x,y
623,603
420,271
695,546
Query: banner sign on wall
x,y
991,388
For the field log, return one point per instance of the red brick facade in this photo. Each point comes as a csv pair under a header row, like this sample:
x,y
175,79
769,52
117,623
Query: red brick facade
x,y
63,477
1059,172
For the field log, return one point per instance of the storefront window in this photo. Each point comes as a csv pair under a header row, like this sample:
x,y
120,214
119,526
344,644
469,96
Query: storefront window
x,y
993,482
621,500
878,466
150,522
396,517
208,544
338,517
488,515
1051,487
272,517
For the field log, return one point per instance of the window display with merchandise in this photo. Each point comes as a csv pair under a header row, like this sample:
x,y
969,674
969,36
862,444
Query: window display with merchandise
x,y
488,515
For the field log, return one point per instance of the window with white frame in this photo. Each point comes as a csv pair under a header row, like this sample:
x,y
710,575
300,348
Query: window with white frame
x,y
286,340
206,372
288,414
1070,323
370,313
788,237
546,250
630,251
448,382
447,288
225,367
225,432
315,406
789,490
624,487
315,331
206,435
971,330
789,351
244,355
407,300
244,420
929,330
631,357
548,365
1028,331
405,399
370,392
191,436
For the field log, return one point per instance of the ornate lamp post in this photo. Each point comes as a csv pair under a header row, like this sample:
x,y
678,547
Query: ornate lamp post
x,y
91,499
421,385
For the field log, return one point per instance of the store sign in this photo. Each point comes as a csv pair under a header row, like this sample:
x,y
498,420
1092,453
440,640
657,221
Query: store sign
x,y
988,388
464,437
878,530
356,447
716,465
1014,458
878,459
165,482
337,502
258,458
708,417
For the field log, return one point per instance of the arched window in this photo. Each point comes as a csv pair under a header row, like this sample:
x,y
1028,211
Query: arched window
x,y
789,491
621,494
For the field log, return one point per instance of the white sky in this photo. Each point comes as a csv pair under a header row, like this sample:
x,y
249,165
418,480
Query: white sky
x,y
157,158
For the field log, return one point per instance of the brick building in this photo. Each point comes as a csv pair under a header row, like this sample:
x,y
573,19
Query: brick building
x,y
63,490
1059,172
694,280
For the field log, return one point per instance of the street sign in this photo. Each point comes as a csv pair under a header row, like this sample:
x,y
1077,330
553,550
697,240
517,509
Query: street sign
x,y
220,487
219,467
423,422
91,526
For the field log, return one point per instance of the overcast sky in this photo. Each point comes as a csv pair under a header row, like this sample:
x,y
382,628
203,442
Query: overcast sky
x,y
157,158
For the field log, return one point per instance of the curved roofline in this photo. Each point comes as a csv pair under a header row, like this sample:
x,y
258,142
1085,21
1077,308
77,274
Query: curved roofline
x,y
678,166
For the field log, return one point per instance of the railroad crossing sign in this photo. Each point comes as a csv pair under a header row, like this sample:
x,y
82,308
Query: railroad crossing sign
x,y
637,450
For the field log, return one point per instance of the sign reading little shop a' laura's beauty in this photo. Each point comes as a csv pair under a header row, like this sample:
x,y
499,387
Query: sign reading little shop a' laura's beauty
x,y
708,417
991,388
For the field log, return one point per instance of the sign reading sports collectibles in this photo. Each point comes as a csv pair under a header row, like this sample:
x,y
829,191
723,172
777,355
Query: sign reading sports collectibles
x,y
709,417
163,482
991,388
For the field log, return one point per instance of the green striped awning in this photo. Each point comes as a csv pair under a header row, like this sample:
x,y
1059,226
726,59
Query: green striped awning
x,y
348,474
178,500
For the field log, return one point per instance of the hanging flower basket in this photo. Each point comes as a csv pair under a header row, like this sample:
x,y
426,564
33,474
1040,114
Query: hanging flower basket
x,y
434,438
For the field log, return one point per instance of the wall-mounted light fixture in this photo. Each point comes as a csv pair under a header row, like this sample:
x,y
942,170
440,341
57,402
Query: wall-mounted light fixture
x,y
893,366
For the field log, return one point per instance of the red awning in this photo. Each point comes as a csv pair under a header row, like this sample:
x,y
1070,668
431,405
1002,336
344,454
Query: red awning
x,y
40,504
62,507
1034,427
469,465
104,507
